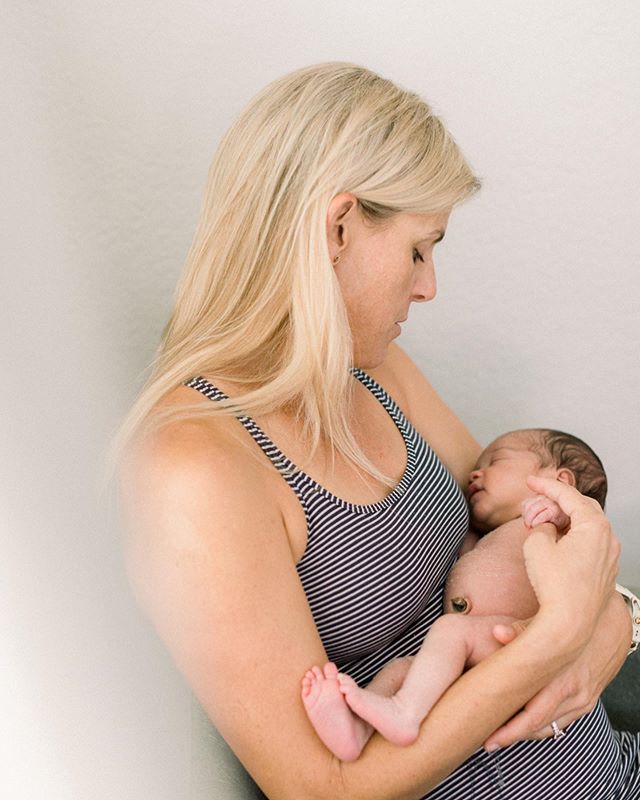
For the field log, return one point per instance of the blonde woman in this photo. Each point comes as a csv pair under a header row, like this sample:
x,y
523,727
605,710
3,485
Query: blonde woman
x,y
291,483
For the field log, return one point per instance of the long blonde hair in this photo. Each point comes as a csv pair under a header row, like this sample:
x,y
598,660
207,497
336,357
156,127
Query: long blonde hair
x,y
258,303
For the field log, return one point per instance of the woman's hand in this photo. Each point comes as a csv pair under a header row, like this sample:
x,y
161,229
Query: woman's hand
x,y
573,576
574,579
576,690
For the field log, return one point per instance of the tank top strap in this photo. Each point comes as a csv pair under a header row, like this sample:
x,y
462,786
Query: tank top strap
x,y
404,426
285,466
302,484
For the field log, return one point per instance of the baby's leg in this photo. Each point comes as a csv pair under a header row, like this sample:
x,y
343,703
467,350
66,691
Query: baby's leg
x,y
454,641
390,678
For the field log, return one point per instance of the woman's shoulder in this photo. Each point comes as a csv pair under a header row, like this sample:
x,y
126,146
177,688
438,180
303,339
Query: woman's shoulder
x,y
191,456
191,488
182,440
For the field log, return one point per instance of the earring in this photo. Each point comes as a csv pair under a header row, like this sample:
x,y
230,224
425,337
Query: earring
x,y
336,259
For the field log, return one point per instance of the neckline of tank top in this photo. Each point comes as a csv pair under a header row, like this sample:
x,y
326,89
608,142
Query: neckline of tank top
x,y
293,474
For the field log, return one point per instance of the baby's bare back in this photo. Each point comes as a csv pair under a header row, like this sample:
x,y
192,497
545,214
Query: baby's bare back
x,y
492,578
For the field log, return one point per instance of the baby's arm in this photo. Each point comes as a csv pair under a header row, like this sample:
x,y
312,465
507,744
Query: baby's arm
x,y
539,509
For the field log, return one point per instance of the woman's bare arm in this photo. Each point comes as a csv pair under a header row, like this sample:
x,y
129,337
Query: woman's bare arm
x,y
209,558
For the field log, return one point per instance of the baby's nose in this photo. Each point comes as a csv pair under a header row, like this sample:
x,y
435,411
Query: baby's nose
x,y
475,473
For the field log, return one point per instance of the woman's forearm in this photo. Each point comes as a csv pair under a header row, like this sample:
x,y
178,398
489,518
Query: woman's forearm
x,y
484,697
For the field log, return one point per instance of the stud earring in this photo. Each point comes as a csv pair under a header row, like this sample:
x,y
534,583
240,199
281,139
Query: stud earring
x,y
336,259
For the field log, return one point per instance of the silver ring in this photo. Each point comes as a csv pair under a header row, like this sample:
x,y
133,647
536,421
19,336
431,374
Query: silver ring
x,y
558,733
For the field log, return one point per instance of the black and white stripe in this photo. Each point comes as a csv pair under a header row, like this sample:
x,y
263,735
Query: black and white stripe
x,y
374,578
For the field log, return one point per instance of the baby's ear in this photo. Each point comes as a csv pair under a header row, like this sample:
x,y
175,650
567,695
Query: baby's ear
x,y
566,476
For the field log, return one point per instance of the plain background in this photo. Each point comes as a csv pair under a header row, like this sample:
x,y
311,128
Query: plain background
x,y
111,113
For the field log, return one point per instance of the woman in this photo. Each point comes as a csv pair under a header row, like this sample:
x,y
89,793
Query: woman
x,y
324,525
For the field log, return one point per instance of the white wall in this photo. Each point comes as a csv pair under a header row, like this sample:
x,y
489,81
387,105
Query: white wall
x,y
111,115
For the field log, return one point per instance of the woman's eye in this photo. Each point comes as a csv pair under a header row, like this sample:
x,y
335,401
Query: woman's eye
x,y
417,254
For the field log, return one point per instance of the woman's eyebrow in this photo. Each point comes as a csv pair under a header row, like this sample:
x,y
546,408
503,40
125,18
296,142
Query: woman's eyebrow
x,y
438,231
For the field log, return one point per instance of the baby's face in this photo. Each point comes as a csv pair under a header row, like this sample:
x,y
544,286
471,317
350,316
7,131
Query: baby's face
x,y
498,483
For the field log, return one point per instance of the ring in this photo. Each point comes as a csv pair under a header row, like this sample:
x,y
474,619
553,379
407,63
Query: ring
x,y
558,733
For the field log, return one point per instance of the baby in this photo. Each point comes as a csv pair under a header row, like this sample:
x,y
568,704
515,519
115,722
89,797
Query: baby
x,y
488,586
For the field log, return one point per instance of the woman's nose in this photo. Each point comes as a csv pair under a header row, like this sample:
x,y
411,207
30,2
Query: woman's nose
x,y
425,287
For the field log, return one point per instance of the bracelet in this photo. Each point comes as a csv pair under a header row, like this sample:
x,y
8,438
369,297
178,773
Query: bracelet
x,y
633,604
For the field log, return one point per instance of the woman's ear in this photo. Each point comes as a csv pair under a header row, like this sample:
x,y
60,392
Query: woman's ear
x,y
566,476
341,211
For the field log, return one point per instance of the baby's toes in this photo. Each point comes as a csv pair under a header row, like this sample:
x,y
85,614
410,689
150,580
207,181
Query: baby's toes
x,y
330,670
346,683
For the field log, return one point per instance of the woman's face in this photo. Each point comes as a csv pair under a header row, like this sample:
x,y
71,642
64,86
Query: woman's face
x,y
381,271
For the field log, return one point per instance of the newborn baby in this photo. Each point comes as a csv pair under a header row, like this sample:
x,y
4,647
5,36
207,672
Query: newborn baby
x,y
487,586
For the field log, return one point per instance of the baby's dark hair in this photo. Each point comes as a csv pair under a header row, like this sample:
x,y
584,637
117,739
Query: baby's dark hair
x,y
566,451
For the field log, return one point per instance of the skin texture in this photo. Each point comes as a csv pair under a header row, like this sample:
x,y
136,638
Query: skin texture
x,y
212,535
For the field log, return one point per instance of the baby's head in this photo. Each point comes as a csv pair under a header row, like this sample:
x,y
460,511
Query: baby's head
x,y
497,484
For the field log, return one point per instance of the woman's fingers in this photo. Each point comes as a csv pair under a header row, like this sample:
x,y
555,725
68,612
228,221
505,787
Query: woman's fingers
x,y
524,725
585,560
561,702
562,722
517,729
576,505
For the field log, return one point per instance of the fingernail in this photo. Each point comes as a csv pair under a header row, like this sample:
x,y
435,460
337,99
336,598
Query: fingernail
x,y
491,748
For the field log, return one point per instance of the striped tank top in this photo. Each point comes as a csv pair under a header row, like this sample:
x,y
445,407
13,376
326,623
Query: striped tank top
x,y
374,578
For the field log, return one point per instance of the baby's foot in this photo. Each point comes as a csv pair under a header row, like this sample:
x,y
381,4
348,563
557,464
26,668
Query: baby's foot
x,y
338,727
397,724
